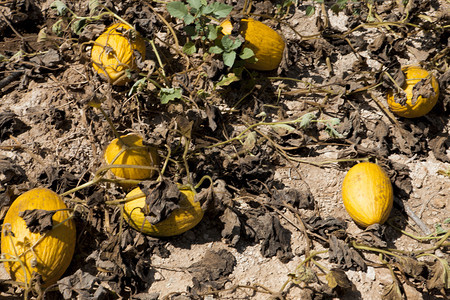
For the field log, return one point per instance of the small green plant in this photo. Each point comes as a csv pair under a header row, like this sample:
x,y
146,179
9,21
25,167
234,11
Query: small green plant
x,y
76,23
198,15
228,47
330,124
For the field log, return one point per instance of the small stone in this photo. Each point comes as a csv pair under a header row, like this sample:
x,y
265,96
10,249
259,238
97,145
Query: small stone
x,y
370,274
439,253
158,276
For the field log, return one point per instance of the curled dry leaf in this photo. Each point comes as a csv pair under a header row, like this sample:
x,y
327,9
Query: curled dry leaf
x,y
38,220
326,227
372,236
10,172
439,277
212,270
161,199
299,197
411,266
82,285
392,291
10,124
275,239
338,278
344,256
303,274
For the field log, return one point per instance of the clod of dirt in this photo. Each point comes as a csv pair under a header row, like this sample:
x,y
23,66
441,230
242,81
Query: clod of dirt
x,y
212,270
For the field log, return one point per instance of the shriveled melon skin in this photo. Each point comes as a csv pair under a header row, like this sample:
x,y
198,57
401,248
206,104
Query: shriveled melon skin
x,y
367,194
423,105
186,217
113,52
51,256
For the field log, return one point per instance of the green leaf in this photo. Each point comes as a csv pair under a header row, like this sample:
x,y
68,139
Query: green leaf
x,y
229,58
169,94
221,10
60,7
306,120
188,19
195,3
177,9
310,10
283,129
228,79
190,30
246,53
42,36
189,48
212,32
93,4
439,229
78,26
250,141
206,10
228,43
236,44
332,132
137,86
56,28
334,121
215,50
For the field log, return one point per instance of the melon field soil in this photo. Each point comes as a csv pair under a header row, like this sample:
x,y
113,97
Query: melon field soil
x,y
275,144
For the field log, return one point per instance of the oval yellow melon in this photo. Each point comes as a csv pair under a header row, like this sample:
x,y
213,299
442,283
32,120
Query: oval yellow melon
x,y
187,216
266,43
114,52
423,105
48,254
137,154
367,194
